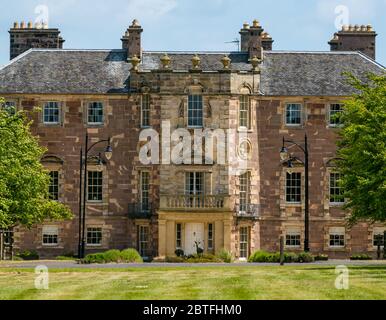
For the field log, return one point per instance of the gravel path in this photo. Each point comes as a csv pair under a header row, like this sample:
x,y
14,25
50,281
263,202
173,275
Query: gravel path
x,y
74,264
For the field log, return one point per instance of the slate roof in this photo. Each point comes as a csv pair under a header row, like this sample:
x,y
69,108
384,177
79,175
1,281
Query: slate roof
x,y
62,71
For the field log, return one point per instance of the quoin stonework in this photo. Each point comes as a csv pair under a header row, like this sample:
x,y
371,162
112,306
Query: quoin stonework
x,y
259,94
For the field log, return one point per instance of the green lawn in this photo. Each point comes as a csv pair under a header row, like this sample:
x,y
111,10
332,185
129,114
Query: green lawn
x,y
214,283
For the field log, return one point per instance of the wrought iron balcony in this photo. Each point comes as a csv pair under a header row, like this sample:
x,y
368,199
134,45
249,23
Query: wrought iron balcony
x,y
195,202
140,210
247,210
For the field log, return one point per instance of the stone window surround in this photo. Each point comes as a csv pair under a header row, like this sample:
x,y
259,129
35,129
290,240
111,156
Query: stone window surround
x,y
39,236
332,204
105,187
237,240
327,232
328,115
303,114
14,100
330,167
372,230
282,181
84,107
206,233
246,91
141,110
97,226
62,106
50,166
293,229
57,233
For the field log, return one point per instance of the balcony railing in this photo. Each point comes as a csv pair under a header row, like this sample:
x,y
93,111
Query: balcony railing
x,y
195,202
140,210
247,210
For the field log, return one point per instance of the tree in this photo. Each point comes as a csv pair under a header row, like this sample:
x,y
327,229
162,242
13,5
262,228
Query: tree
x,y
362,150
24,183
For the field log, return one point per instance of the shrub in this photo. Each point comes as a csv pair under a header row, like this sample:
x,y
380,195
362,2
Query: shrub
x,y
173,260
290,257
64,258
259,256
94,258
362,256
305,257
112,256
225,256
131,256
203,258
179,253
274,257
321,257
28,255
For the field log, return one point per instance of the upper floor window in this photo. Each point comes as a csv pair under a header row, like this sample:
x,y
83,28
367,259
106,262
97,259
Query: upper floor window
x,y
195,111
145,190
294,187
95,113
293,115
9,107
145,111
7,237
51,112
245,112
194,183
244,191
95,187
334,114
54,185
336,192
50,235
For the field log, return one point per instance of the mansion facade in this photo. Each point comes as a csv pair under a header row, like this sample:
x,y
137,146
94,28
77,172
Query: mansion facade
x,y
259,94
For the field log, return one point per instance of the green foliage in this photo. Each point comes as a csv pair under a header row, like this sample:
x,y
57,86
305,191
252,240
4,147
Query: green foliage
x,y
179,253
65,258
362,256
125,256
289,257
225,256
203,258
130,256
362,150
28,255
321,257
24,183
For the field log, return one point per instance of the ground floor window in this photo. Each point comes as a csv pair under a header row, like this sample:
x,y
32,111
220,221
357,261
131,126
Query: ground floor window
x,y
244,243
210,236
94,236
7,237
337,237
50,235
143,240
292,239
178,235
378,236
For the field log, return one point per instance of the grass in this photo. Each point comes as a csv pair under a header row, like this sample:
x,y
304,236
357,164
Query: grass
x,y
206,283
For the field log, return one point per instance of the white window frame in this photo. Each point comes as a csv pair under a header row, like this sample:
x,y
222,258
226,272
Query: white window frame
x,y
286,186
334,125
339,231
50,231
145,189
245,191
195,109
296,233
333,203
88,185
243,242
211,236
92,104
244,101
95,229
50,103
145,108
377,231
143,240
300,111
179,235
52,185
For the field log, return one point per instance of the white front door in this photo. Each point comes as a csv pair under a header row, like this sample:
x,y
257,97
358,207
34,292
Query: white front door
x,y
194,232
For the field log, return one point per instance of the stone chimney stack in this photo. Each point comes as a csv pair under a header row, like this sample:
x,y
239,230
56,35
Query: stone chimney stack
x,y
254,40
355,38
26,36
131,41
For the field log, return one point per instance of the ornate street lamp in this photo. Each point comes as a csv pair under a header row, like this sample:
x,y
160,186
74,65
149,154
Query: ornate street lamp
x,y
83,191
286,158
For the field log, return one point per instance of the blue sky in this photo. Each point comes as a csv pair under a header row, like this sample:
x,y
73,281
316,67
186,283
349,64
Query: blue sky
x,y
195,24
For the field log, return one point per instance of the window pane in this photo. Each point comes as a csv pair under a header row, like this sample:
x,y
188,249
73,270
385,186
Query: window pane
x,y
94,236
195,111
294,114
95,186
95,112
210,236
51,112
145,189
293,187
336,192
54,185
244,191
143,241
244,242
334,116
178,236
145,111
244,112
293,239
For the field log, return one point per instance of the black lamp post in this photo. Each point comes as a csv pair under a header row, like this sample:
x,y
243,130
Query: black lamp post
x,y
83,191
285,157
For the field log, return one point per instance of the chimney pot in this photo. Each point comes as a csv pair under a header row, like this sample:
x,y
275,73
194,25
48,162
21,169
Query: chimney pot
x,y
135,23
369,28
30,25
22,25
256,23
16,25
246,25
